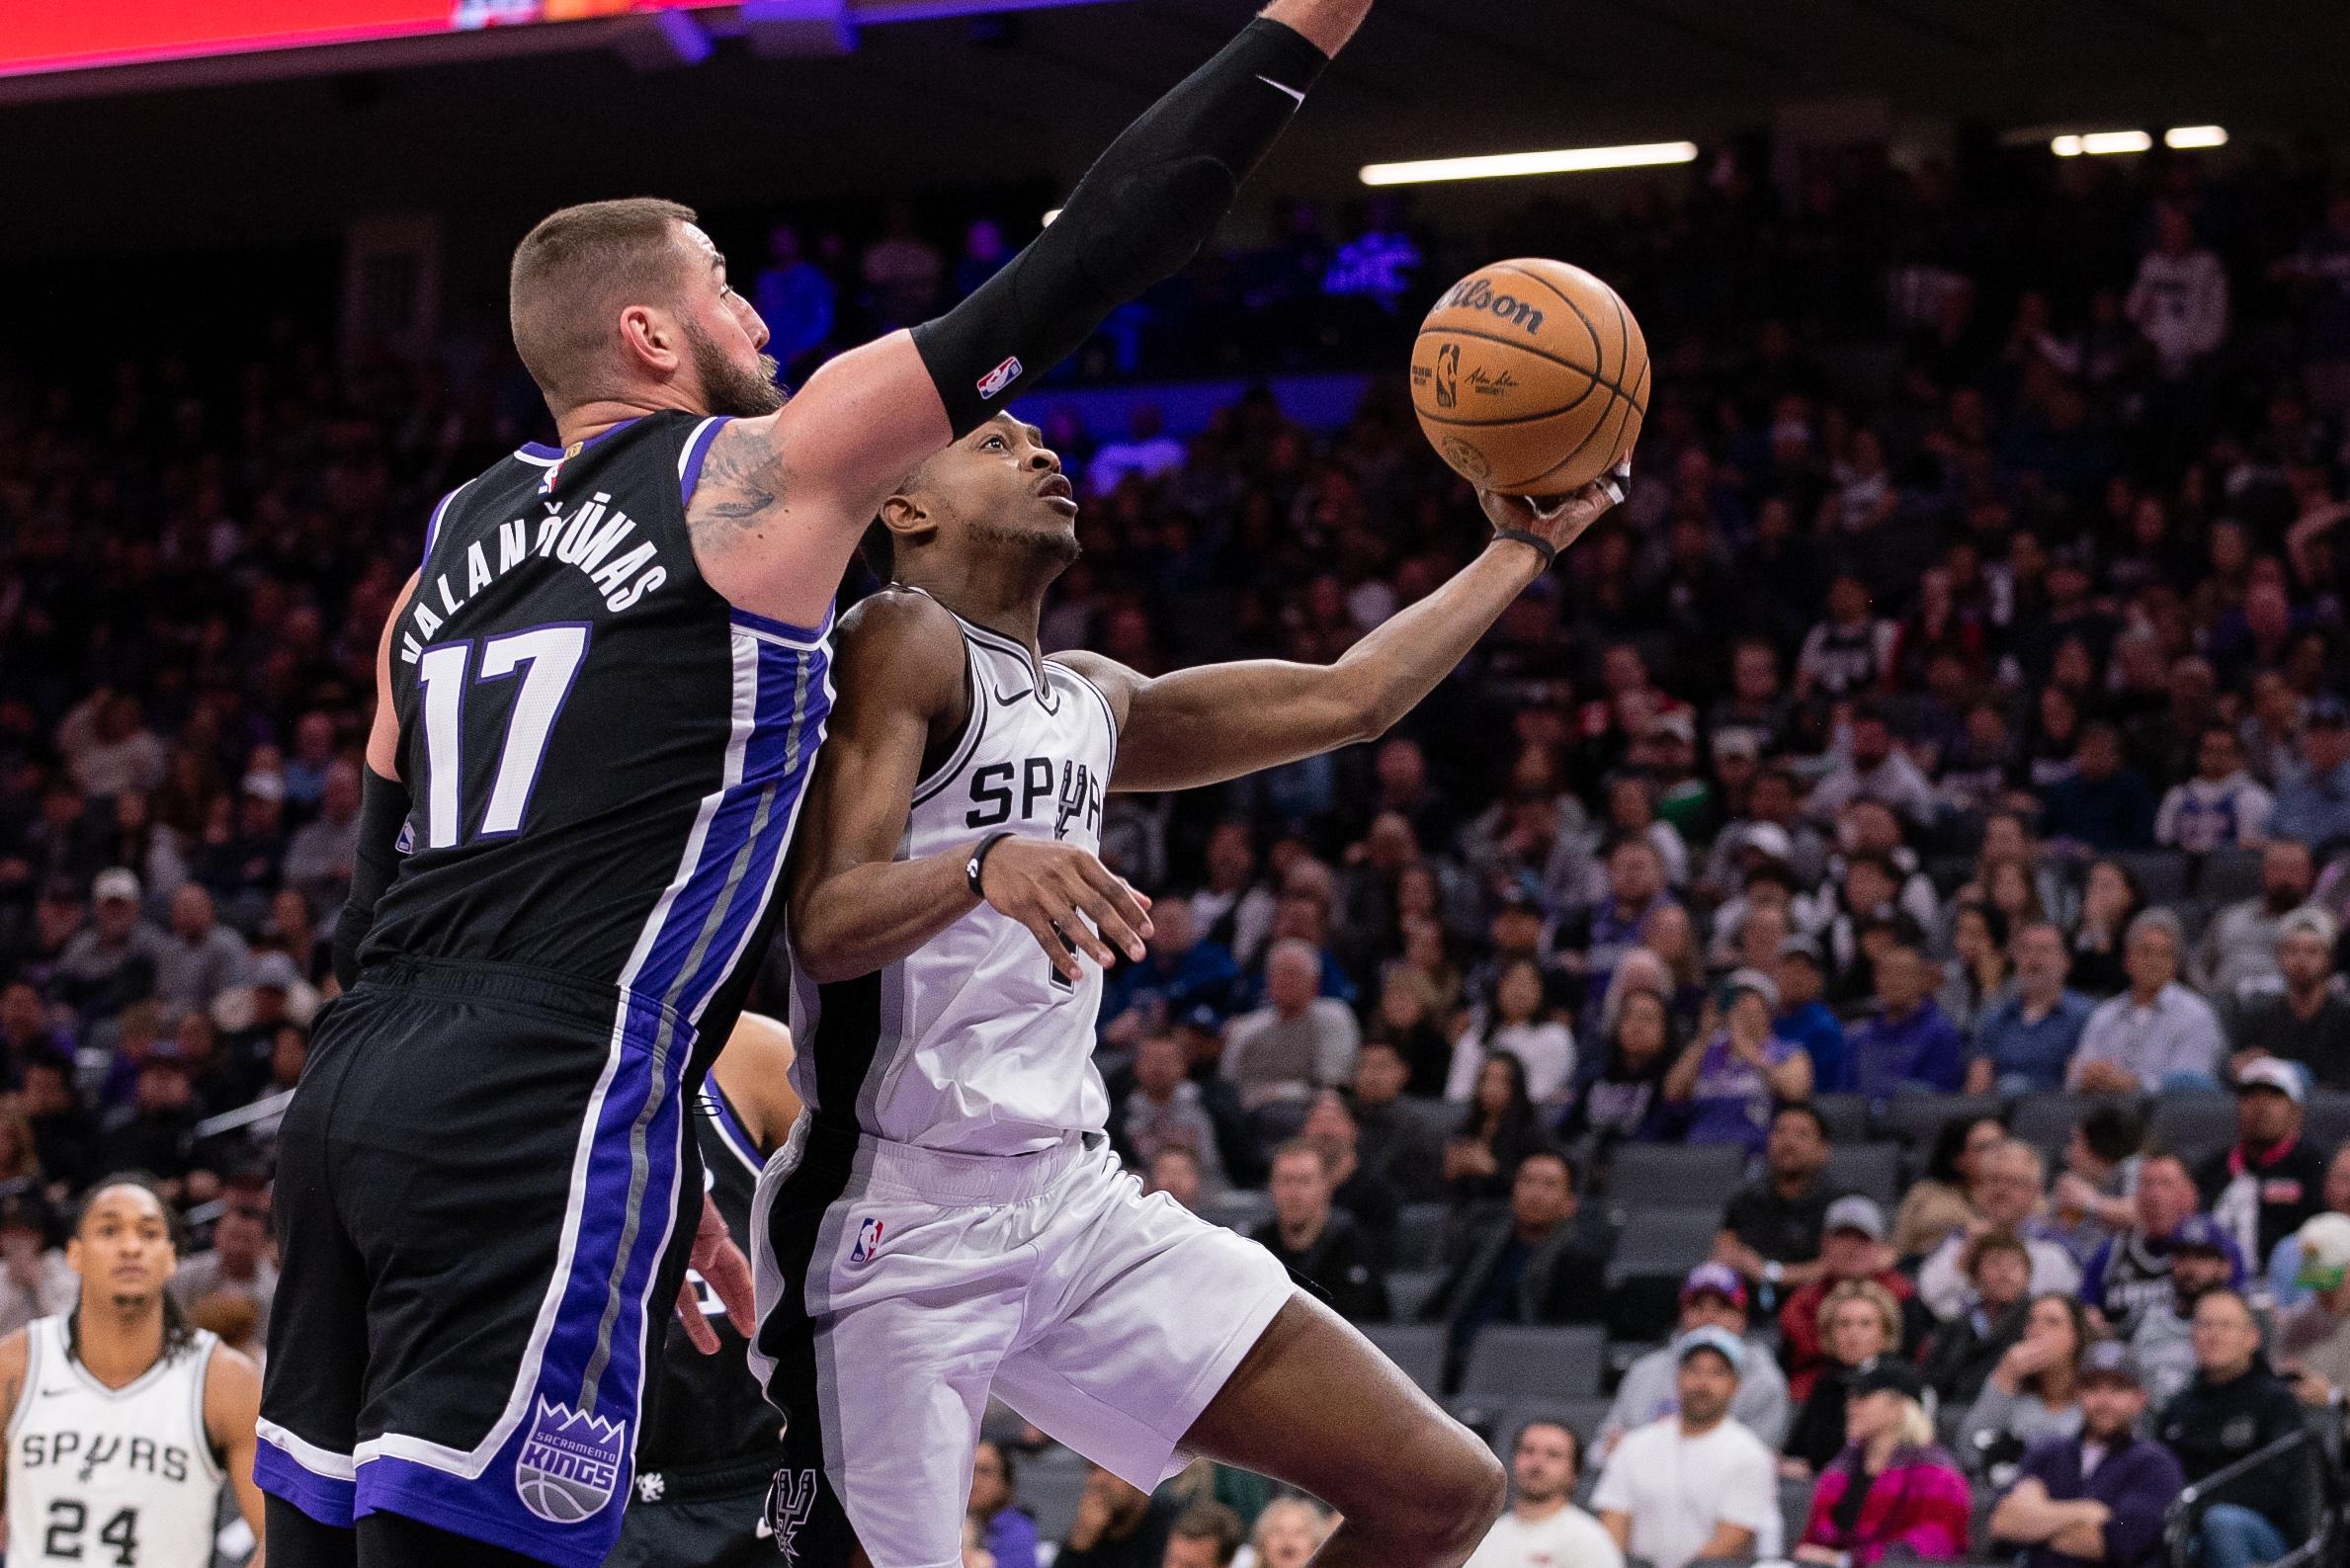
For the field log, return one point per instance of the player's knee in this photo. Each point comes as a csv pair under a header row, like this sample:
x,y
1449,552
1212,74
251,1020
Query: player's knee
x,y
1457,1492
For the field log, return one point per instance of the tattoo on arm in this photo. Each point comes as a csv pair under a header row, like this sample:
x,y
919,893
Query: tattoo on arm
x,y
740,479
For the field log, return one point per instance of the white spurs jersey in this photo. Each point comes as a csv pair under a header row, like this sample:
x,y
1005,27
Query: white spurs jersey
x,y
109,1478
972,1042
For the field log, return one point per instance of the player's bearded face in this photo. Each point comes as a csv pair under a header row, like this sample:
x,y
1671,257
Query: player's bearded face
x,y
728,387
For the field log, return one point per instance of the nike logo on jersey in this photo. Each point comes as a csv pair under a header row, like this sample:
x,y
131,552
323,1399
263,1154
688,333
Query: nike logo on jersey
x,y
52,1393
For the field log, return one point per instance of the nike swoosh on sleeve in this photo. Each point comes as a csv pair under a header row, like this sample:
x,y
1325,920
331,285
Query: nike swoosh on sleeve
x,y
1282,86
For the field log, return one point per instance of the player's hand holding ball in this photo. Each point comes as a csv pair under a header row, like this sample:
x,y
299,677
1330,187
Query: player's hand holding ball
x,y
1562,523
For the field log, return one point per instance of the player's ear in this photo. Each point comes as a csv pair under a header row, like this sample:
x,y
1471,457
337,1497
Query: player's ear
x,y
652,339
908,520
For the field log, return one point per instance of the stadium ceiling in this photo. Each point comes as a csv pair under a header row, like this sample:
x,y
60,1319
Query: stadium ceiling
x,y
936,93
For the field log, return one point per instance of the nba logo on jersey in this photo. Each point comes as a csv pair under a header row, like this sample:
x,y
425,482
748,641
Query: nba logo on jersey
x,y
869,1241
570,1463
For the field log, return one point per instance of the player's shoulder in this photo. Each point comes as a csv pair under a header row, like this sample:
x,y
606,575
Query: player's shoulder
x,y
898,617
1117,683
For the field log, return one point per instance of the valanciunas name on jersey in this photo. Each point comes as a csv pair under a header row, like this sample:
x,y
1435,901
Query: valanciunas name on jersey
x,y
590,536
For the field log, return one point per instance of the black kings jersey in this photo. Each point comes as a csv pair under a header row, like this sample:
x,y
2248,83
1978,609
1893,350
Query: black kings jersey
x,y
710,1409
605,758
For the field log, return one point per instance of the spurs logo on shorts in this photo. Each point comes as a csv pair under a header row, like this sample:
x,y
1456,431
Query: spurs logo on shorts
x,y
570,1463
789,1500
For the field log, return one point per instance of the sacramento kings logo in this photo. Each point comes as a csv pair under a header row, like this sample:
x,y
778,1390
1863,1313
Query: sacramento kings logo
x,y
570,1463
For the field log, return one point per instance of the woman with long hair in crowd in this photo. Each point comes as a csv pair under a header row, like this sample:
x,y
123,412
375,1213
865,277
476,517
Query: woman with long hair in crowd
x,y
2110,898
1980,975
1669,934
1937,1203
1481,1160
2034,1391
1619,1095
1891,1490
1511,1020
1859,1322
1406,1018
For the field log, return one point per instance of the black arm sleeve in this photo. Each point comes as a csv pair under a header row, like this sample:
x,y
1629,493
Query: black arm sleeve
x,y
1141,212
382,811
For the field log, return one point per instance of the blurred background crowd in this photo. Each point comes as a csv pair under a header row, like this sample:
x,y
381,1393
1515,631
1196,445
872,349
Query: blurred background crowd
x,y
1892,868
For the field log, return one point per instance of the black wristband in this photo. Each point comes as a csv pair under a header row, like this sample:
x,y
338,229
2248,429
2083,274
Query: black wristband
x,y
1542,546
973,867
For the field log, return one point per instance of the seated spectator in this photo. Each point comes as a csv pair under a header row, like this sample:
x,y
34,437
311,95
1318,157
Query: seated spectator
x,y
1395,1141
1541,1528
1695,1484
2102,803
2284,1264
2273,1178
1802,1016
1481,1161
1117,1525
1907,1043
1619,1097
1533,1265
2034,1391
1357,1190
111,962
2240,946
1873,766
2157,1033
1320,1244
1204,1535
1937,1202
2008,1191
1166,1108
1006,1530
1725,1086
2299,1013
2089,1201
2097,1498
1513,1020
1891,1490
36,1281
1406,1022
2235,1407
1860,1322
198,957
1713,1295
2162,1342
2132,1271
2111,900
2312,1336
1291,1530
1175,1171
2221,808
1979,978
2313,798
1852,1248
1609,928
1960,1356
241,1262
1179,972
156,1132
2027,1040
64,1136
1299,1040
1771,1229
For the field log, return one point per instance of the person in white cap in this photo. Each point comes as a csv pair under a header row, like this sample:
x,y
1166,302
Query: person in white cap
x,y
2271,1181
1694,1483
2298,1013
111,962
2313,1337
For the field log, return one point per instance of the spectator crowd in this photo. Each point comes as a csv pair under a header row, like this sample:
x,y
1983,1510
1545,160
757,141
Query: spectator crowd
x,y
1913,824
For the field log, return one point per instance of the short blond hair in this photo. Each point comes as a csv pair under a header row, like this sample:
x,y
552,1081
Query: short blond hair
x,y
1888,1310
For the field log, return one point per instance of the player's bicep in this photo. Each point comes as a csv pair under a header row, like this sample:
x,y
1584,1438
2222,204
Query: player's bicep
x,y
781,500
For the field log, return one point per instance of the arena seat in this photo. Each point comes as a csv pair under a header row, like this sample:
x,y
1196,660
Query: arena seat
x,y
1050,1485
1847,1117
1517,1360
1915,1117
2326,1121
1872,1170
2230,874
1416,1349
1420,1231
1653,1256
1648,1177
2192,1123
2161,874
2046,1121
1410,1288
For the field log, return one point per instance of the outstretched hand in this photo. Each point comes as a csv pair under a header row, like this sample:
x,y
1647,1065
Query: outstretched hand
x,y
1563,521
728,1272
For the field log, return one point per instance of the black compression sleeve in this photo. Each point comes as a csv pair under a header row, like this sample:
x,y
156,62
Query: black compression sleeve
x,y
383,805
1141,212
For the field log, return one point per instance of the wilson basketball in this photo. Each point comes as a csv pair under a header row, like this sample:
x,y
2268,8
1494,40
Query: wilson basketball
x,y
1531,377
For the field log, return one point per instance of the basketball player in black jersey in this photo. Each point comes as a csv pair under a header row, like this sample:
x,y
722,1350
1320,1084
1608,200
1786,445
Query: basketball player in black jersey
x,y
1266,1377
598,703
711,1442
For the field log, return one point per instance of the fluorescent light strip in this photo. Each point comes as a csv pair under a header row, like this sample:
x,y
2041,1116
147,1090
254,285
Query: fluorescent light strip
x,y
1567,160
2183,138
2100,144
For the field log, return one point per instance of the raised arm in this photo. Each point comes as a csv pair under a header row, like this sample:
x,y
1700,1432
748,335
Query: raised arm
x,y
782,499
1221,721
854,906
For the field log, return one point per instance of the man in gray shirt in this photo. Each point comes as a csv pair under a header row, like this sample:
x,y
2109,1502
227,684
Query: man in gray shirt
x,y
1298,1042
199,957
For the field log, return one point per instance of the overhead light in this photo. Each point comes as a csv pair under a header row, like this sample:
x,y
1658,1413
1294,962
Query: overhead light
x,y
2099,144
2183,138
1050,217
1501,165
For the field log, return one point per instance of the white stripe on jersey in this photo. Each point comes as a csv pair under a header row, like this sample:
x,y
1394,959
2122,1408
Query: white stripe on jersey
x,y
981,1047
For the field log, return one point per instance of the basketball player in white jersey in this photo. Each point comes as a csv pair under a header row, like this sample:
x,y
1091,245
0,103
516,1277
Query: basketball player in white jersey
x,y
948,1219
123,1419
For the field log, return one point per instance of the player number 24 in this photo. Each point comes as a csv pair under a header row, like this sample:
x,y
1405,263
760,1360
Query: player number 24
x,y
63,1542
549,658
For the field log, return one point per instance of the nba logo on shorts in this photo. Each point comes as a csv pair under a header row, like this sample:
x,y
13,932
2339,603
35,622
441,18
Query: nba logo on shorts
x,y
869,1241
569,1464
1001,376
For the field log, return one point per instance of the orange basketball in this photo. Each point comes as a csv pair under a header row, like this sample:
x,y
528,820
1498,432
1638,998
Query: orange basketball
x,y
1531,377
